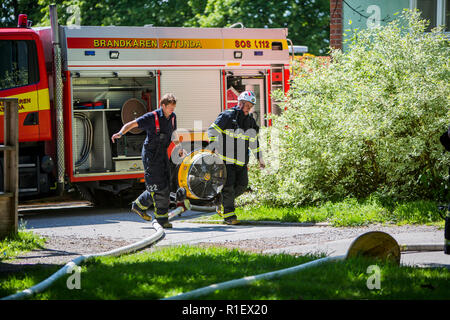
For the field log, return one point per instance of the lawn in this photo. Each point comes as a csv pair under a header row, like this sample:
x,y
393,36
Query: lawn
x,y
347,213
18,243
164,272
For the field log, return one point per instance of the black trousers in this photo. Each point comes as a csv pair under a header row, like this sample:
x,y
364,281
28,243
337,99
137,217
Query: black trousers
x,y
235,185
160,199
157,185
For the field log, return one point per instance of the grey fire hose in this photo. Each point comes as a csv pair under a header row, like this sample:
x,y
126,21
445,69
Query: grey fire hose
x,y
77,261
202,208
248,280
374,244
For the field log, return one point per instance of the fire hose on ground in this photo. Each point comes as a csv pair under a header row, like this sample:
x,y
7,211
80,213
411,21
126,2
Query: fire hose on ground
x,y
374,244
248,280
158,235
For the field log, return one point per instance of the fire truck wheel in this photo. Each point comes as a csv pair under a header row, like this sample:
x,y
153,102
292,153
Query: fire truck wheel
x,y
100,198
85,193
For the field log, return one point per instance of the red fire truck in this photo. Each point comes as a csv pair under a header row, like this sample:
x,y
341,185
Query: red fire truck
x,y
77,85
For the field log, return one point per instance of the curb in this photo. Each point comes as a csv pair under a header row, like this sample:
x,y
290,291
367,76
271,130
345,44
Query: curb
x,y
266,223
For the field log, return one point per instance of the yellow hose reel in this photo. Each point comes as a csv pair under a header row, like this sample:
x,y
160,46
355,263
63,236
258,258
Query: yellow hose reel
x,y
202,173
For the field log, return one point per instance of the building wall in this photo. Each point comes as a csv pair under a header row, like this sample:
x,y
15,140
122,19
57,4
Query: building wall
x,y
336,16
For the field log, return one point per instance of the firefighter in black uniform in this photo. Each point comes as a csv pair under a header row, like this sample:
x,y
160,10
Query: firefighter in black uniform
x,y
160,126
232,135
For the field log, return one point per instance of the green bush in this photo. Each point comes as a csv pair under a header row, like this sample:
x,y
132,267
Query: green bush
x,y
366,124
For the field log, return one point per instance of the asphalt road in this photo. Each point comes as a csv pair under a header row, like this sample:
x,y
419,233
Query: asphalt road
x,y
118,225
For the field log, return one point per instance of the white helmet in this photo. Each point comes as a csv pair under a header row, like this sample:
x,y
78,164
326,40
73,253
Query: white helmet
x,y
247,96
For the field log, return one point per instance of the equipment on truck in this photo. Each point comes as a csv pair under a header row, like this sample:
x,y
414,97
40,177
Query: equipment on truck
x,y
131,110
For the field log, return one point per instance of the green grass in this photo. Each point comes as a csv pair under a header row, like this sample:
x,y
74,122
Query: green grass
x,y
164,272
349,212
18,243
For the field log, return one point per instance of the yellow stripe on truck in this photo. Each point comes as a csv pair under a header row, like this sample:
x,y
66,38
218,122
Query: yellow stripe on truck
x,y
30,101
173,43
255,44
190,44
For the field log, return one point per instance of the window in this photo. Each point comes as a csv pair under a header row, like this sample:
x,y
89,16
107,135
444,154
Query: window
x,y
18,66
436,11
429,11
277,46
447,16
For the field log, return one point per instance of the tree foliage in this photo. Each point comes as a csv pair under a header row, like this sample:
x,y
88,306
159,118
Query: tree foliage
x,y
10,10
307,21
367,124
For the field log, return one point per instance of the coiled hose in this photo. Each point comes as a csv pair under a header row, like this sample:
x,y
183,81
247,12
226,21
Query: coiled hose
x,y
88,137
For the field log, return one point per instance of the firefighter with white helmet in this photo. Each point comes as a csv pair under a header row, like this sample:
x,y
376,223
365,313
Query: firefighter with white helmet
x,y
247,96
232,135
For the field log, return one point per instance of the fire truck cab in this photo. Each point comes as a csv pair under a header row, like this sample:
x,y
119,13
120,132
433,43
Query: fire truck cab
x,y
111,75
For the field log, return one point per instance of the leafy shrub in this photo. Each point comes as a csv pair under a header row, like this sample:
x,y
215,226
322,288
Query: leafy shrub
x,y
367,123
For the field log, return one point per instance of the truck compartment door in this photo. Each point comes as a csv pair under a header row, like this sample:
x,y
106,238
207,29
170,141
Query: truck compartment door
x,y
198,94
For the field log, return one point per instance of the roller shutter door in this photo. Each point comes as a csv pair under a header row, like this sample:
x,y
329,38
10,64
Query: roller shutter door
x,y
198,95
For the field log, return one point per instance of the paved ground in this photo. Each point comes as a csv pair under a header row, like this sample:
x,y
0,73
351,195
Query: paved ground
x,y
82,230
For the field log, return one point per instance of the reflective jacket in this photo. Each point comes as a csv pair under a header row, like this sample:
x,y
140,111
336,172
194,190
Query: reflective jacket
x,y
233,134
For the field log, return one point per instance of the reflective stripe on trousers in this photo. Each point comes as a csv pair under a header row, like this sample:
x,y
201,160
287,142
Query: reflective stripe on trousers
x,y
159,199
